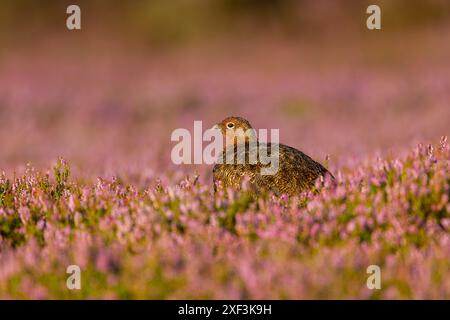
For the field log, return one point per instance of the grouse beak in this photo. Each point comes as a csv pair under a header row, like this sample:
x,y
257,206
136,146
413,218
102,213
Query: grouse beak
x,y
215,127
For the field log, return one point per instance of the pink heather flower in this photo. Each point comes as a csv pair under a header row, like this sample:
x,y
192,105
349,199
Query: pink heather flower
x,y
71,203
351,226
41,224
24,214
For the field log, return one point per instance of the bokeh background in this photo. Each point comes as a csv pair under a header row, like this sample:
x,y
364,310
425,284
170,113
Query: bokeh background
x,y
107,97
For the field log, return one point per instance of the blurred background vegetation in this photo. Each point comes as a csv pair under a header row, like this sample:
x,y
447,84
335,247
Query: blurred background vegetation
x,y
310,67
167,23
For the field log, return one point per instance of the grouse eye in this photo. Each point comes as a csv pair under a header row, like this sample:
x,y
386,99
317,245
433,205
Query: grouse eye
x,y
230,125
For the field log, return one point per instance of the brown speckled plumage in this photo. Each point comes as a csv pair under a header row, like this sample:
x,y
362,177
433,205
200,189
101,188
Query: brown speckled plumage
x,y
297,172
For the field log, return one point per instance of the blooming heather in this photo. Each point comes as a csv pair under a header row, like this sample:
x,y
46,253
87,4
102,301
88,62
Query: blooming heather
x,y
182,240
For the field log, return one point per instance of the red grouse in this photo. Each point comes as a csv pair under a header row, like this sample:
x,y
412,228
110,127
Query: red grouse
x,y
295,173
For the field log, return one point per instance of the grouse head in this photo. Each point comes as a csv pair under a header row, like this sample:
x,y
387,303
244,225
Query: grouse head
x,y
236,130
